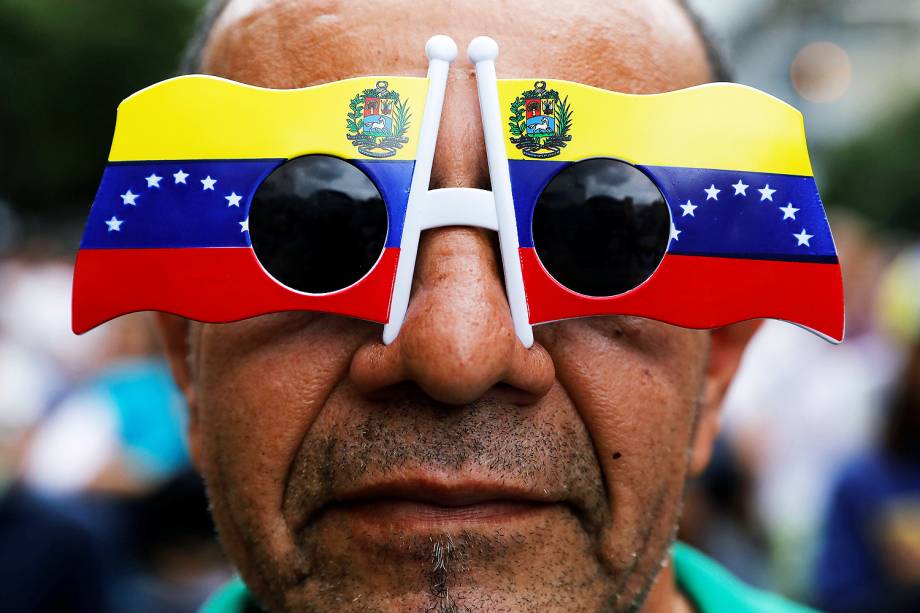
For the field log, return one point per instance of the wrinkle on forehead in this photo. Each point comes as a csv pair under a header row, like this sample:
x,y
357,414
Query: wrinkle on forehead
x,y
298,43
645,46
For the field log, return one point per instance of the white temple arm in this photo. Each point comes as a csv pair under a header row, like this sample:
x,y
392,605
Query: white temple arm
x,y
441,51
482,52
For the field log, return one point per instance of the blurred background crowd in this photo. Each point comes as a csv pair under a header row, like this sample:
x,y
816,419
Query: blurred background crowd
x,y
815,487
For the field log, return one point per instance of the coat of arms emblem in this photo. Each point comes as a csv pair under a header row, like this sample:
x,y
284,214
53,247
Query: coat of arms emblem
x,y
378,121
540,122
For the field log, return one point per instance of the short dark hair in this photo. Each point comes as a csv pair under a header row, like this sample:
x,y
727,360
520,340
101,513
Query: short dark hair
x,y
193,57
721,71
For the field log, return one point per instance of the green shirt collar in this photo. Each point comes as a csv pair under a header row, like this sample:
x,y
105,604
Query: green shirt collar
x,y
713,589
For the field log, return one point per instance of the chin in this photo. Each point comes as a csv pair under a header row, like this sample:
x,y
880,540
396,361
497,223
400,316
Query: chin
x,y
516,561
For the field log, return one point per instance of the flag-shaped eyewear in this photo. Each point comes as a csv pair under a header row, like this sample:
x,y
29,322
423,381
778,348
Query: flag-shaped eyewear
x,y
223,201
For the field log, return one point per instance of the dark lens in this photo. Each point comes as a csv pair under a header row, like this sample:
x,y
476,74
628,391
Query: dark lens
x,y
318,224
601,227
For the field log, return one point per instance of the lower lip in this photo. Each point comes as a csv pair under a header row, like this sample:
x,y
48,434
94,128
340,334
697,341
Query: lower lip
x,y
410,513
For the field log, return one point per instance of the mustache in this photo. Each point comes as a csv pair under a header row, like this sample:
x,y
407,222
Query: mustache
x,y
531,450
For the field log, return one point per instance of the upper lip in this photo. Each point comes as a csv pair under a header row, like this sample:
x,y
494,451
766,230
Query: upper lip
x,y
444,493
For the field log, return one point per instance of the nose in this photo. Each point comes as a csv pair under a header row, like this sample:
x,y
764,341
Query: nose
x,y
458,339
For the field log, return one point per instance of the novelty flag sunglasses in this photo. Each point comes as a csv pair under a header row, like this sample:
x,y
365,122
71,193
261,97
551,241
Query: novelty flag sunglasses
x,y
223,201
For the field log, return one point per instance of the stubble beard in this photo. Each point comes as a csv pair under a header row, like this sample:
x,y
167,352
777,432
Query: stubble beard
x,y
444,573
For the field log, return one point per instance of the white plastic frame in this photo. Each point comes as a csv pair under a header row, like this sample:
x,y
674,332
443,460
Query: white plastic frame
x,y
428,209
441,51
483,51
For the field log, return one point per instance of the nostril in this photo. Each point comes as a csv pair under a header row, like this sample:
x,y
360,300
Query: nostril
x,y
514,395
418,362
390,393
457,342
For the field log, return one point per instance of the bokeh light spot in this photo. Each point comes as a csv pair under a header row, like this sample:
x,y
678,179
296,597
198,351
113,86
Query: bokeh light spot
x,y
821,72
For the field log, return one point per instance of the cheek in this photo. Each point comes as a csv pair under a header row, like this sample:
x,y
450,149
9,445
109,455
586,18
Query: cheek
x,y
259,386
636,386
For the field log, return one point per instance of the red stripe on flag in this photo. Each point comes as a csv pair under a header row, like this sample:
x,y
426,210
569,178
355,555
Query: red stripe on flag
x,y
703,292
211,285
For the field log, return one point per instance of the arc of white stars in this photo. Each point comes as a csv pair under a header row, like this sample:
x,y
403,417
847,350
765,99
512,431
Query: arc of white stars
x,y
712,193
789,211
129,199
740,188
244,225
233,200
688,209
114,224
180,177
803,238
208,183
766,193
153,181
675,233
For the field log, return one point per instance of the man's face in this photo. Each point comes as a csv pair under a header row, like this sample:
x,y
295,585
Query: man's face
x,y
453,468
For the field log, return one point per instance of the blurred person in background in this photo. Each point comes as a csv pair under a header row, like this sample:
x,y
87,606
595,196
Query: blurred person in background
x,y
870,555
719,517
48,561
112,453
99,508
800,407
120,429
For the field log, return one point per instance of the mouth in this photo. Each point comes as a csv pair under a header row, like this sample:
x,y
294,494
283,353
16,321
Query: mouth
x,y
424,505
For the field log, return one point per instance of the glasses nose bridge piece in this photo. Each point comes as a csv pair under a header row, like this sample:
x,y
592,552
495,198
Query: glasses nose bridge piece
x,y
428,209
458,206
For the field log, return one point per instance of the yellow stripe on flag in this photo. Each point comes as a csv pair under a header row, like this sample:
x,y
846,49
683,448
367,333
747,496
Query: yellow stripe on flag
x,y
201,117
720,126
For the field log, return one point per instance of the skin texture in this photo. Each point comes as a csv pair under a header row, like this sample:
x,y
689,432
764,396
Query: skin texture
x,y
598,425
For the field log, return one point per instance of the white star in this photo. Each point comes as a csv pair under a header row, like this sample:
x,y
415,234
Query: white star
x,y
209,183
153,181
712,193
675,233
789,211
180,177
233,200
803,238
129,198
766,193
114,224
688,209
740,188
244,225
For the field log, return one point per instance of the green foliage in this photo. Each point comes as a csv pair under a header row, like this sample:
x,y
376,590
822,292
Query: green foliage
x,y
355,114
563,117
64,67
516,121
878,174
403,117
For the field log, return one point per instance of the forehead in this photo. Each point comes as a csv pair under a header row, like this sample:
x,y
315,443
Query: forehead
x,y
637,46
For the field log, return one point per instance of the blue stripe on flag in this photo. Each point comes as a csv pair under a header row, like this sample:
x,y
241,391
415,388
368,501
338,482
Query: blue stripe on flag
x,y
182,212
753,224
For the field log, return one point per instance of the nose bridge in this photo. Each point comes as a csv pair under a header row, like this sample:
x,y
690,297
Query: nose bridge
x,y
458,339
455,337
460,157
